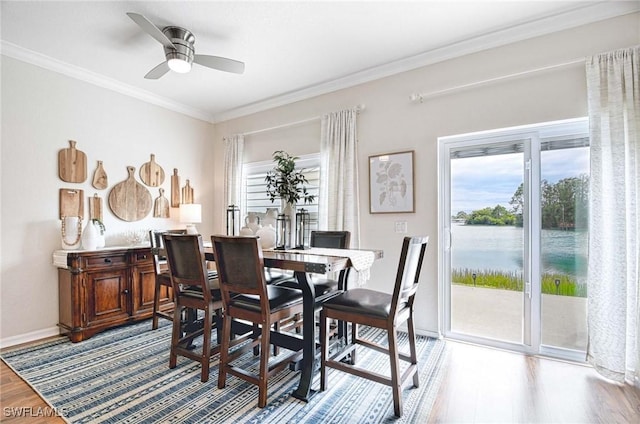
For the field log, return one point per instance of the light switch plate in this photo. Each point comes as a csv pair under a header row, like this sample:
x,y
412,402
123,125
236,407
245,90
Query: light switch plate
x,y
401,227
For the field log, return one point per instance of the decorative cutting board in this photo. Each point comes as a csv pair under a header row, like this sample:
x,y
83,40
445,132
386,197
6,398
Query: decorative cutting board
x,y
129,200
161,206
100,177
72,164
71,202
187,193
151,173
95,207
175,189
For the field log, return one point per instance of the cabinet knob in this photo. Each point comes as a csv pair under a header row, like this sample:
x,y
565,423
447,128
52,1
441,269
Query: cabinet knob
x,y
144,256
107,260
125,291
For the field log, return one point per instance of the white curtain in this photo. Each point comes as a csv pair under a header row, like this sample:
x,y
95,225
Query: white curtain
x,y
613,83
339,195
233,150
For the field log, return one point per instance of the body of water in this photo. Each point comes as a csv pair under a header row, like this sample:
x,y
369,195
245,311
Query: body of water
x,y
501,248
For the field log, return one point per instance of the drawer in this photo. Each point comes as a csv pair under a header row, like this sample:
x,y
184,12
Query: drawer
x,y
143,257
107,261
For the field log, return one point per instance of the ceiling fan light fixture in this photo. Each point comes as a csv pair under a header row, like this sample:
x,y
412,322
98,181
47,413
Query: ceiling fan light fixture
x,y
179,65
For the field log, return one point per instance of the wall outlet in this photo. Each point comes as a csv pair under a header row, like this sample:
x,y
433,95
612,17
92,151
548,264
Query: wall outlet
x,y
401,227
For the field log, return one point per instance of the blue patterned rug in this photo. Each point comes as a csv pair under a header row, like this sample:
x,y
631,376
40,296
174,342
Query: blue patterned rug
x,y
122,376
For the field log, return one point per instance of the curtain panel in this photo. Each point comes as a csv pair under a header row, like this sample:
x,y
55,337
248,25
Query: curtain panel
x,y
339,193
613,85
233,151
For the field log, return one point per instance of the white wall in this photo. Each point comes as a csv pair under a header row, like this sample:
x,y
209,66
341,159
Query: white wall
x,y
391,122
41,111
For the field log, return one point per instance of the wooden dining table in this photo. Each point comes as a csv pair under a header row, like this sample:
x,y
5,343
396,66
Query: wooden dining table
x,y
302,263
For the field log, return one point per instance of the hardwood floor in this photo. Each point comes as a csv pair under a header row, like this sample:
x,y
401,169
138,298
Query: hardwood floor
x,y
484,385
20,403
480,385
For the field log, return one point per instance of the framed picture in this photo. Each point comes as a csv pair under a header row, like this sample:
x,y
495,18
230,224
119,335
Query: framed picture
x,y
391,183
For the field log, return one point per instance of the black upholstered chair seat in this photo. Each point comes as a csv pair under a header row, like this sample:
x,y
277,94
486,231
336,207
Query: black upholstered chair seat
x,y
279,297
362,301
322,285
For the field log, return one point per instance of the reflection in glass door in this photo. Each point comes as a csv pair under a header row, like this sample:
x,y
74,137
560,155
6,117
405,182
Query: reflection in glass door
x,y
564,214
514,222
487,247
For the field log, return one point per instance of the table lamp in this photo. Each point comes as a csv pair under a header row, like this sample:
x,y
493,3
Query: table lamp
x,y
191,214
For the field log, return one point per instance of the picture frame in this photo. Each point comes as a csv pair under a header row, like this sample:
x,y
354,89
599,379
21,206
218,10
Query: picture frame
x,y
391,183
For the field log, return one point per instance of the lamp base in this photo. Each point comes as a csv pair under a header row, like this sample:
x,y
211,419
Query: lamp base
x,y
191,229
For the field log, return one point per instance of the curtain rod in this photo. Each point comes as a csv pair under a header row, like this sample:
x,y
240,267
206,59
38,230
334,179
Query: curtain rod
x,y
420,97
359,108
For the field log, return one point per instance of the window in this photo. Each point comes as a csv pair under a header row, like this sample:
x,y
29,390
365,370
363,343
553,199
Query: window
x,y
254,192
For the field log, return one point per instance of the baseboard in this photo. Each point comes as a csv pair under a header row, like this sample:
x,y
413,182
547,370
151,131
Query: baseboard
x,y
427,333
29,337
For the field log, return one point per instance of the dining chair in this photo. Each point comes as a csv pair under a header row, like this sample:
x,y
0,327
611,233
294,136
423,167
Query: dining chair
x,y
162,286
324,286
360,306
247,296
195,289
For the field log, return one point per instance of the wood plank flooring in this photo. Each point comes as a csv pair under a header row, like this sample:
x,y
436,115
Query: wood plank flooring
x,y
480,385
484,385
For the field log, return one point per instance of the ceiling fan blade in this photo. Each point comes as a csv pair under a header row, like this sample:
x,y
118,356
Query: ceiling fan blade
x,y
219,63
148,27
158,71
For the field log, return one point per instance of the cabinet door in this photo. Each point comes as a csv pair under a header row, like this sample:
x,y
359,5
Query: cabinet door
x,y
143,285
107,295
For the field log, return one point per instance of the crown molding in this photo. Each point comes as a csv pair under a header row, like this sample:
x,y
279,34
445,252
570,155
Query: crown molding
x,y
34,58
576,16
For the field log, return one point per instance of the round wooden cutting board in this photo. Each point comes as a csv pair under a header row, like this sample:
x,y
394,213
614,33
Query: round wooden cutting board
x,y
151,173
129,200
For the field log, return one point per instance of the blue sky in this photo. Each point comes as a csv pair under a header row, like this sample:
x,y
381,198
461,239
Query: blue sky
x,y
487,181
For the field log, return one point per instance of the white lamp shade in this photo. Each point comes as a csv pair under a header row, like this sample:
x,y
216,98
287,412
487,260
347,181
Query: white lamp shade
x,y
190,213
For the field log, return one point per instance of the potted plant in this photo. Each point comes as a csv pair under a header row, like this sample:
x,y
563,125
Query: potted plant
x,y
285,182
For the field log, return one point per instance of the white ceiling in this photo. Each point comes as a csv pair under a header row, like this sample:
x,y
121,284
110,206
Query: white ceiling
x,y
292,50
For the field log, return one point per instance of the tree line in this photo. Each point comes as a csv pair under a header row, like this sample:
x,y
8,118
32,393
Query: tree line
x,y
565,205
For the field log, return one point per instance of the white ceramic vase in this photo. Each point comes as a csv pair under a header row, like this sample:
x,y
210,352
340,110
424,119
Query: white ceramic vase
x,y
289,210
90,236
101,235
71,232
267,236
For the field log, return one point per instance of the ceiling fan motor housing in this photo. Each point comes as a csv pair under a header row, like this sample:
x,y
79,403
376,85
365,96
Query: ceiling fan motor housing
x,y
183,40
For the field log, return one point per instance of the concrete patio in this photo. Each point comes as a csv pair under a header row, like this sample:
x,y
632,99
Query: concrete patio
x,y
497,314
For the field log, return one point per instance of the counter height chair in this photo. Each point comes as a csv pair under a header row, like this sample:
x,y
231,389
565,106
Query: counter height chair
x,y
379,310
162,286
247,296
196,290
324,286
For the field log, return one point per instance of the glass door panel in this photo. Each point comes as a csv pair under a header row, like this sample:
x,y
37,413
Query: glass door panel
x,y
487,242
564,237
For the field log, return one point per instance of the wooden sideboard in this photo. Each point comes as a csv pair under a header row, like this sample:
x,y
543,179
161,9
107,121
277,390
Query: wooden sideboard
x,y
101,289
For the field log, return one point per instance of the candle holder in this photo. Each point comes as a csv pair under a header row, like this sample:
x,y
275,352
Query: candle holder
x,y
233,220
283,231
303,229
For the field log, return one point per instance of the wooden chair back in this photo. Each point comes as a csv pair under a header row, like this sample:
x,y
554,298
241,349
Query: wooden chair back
x,y
240,267
187,264
157,248
330,239
408,275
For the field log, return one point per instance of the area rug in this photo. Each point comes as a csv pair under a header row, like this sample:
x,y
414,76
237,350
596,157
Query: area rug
x,y
122,376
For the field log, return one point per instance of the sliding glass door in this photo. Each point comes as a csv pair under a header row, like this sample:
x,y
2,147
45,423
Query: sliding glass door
x,y
513,248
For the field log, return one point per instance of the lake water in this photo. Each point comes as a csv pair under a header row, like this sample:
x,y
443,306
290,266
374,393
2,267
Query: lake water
x,y
501,248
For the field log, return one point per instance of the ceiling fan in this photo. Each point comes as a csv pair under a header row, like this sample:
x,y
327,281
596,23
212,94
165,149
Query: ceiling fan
x,y
179,51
